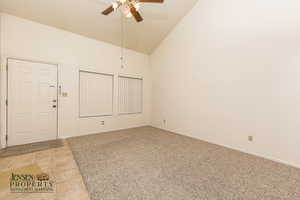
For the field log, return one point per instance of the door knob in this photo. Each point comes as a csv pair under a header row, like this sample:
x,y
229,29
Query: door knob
x,y
54,106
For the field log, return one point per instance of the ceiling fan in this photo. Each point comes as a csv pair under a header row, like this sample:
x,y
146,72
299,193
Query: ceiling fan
x,y
129,7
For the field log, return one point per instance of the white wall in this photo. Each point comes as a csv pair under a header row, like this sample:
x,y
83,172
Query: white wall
x,y
2,108
231,69
28,40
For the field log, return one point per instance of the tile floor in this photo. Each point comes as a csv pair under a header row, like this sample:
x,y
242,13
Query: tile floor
x,y
61,167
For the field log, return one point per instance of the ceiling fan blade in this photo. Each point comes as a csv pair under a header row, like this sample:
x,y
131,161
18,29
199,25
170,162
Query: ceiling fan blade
x,y
108,10
136,14
151,1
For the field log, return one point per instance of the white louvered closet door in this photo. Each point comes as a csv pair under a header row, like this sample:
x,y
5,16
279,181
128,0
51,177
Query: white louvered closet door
x,y
130,95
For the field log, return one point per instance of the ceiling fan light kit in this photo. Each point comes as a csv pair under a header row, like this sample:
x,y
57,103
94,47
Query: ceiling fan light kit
x,y
130,8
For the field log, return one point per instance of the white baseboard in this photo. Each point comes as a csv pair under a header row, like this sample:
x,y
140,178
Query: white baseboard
x,y
237,149
106,131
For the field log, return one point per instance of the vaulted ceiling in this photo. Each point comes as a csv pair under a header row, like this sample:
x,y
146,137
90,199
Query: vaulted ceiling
x,y
84,17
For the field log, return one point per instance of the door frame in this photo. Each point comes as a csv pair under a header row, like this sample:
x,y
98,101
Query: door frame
x,y
7,90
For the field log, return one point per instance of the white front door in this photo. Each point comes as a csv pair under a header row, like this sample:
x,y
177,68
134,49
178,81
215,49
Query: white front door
x,y
32,102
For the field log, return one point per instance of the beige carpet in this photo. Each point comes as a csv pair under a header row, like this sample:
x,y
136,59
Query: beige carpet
x,y
152,164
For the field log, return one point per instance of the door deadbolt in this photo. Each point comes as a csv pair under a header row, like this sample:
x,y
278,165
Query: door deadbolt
x,y
54,101
54,106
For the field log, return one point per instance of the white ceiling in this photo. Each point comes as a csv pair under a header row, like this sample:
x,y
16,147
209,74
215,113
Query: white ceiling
x,y
84,17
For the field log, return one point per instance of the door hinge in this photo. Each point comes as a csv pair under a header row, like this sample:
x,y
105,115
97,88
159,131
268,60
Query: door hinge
x,y
6,138
6,102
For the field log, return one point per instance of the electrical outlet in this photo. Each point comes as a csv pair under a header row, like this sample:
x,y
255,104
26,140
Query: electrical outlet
x,y
250,138
102,122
